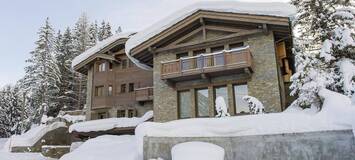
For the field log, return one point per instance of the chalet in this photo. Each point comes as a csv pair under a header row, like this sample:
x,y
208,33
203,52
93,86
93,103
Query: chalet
x,y
204,51
217,49
116,87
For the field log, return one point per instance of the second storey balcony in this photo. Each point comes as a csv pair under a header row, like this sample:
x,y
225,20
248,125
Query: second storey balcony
x,y
226,62
144,94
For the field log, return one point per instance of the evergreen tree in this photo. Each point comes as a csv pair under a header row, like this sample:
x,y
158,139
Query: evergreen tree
x,y
93,33
314,21
11,111
42,73
104,31
119,30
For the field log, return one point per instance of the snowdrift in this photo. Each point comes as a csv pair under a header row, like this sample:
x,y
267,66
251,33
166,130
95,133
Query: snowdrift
x,y
110,123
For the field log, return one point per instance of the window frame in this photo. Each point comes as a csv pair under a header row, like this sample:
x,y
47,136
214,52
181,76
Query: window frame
x,y
196,107
235,100
101,89
179,105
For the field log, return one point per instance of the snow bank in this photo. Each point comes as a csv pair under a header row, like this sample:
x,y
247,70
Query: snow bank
x,y
22,156
110,123
33,135
107,147
196,151
336,114
269,9
99,46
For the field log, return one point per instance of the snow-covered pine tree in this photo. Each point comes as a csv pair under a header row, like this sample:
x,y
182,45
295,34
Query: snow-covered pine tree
x,y
42,73
104,31
93,33
312,71
68,87
119,30
338,49
11,111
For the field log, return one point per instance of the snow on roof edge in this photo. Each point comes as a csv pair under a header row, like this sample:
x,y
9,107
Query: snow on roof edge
x,y
256,8
99,46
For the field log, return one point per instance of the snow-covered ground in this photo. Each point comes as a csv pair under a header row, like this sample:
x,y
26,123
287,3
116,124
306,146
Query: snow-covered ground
x,y
197,151
110,123
107,147
4,155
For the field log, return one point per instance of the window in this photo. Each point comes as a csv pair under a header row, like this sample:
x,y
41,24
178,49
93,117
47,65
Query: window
x,y
102,67
99,91
110,90
121,113
181,55
102,115
131,87
222,92
131,113
184,100
217,49
123,88
198,52
236,45
202,102
110,66
124,64
240,105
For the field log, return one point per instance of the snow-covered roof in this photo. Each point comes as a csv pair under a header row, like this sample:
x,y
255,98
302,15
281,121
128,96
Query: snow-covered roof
x,y
269,9
110,123
99,46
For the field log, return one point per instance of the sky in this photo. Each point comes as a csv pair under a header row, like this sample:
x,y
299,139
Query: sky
x,y
21,19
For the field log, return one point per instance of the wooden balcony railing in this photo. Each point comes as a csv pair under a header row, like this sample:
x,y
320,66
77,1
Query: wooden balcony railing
x,y
207,63
144,94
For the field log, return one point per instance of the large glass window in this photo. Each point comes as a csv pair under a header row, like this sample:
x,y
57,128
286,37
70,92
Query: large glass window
x,y
241,106
102,67
184,104
202,102
222,92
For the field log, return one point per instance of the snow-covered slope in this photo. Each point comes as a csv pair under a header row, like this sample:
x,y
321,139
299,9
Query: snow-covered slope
x,y
110,123
99,46
269,9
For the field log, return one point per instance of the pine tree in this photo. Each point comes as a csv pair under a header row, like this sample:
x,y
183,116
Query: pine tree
x,y
42,73
104,31
93,33
314,22
119,30
68,86
11,111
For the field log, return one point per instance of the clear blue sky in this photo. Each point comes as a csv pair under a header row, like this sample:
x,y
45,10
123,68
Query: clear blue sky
x,y
21,20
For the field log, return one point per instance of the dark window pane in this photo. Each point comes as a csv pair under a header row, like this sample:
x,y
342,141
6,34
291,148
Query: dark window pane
x,y
121,113
123,88
131,87
217,49
181,55
236,45
202,103
184,104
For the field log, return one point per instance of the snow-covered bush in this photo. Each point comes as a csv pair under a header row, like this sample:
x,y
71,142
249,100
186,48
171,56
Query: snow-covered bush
x,y
347,70
255,106
197,151
221,107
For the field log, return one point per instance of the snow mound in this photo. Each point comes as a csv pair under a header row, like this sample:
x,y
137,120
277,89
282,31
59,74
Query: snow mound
x,y
197,151
33,135
99,46
73,118
110,123
268,9
107,147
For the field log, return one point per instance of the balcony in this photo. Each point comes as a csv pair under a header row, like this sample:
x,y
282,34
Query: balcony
x,y
208,65
144,94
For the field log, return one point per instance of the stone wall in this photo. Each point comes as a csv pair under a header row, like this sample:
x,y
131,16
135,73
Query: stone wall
x,y
263,84
326,145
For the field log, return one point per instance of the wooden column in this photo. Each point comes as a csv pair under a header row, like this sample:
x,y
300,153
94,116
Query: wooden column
x,y
193,103
211,101
231,102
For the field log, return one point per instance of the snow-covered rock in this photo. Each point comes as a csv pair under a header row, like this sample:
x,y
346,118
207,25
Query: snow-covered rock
x,y
197,151
110,123
33,135
269,9
107,147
